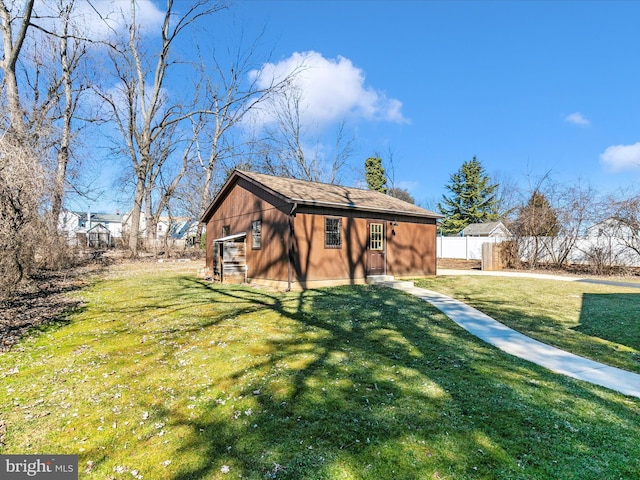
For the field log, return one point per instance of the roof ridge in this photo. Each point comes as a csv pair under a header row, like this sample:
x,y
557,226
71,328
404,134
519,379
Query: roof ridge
x,y
412,207
249,173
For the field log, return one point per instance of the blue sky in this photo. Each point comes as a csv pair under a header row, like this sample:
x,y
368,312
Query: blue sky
x,y
527,87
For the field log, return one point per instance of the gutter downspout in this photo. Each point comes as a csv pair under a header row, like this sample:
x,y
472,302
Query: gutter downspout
x,y
290,245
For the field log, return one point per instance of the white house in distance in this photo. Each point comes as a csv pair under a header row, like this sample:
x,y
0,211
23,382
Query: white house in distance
x,y
102,230
486,229
177,228
75,226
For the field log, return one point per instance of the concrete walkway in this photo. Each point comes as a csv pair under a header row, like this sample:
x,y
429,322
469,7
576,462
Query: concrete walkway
x,y
541,276
514,343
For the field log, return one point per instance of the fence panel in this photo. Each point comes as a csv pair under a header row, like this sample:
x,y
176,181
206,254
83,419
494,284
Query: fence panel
x,y
587,250
468,248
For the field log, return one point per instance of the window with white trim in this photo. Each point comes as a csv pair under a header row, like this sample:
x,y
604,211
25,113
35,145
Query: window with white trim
x,y
375,236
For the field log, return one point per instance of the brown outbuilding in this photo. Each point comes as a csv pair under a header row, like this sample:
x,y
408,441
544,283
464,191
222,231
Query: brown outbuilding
x,y
296,234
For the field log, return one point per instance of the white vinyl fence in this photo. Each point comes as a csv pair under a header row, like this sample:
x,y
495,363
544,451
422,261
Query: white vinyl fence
x,y
468,248
586,250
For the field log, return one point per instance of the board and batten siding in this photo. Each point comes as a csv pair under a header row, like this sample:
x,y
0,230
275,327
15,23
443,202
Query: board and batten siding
x,y
314,262
243,205
410,241
410,246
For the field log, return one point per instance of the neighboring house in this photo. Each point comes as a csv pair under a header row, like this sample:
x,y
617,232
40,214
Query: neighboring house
x,y
76,225
175,228
297,234
186,230
487,229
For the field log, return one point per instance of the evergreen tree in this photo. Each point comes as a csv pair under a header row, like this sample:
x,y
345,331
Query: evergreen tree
x,y
375,175
537,218
473,198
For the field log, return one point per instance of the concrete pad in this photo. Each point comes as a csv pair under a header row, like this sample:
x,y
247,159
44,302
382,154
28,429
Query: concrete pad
x,y
519,345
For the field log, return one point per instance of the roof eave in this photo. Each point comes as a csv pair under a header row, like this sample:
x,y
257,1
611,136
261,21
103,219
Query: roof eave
x,y
227,187
301,201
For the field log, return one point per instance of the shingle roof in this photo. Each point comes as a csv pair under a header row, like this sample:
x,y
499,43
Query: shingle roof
x,y
100,217
323,194
106,217
481,228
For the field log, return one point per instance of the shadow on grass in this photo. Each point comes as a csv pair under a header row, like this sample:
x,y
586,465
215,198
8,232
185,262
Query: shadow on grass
x,y
373,383
44,305
597,334
612,316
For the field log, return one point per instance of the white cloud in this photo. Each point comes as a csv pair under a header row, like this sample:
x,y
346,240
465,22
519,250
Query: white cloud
x,y
332,89
577,118
621,157
105,19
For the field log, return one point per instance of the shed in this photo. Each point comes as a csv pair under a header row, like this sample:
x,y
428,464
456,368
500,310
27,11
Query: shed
x,y
301,234
99,237
230,258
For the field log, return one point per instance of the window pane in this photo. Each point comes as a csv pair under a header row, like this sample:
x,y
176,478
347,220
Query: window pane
x,y
375,236
256,234
332,233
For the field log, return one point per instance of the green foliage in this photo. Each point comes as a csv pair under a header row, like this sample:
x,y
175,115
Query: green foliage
x,y
473,198
402,194
375,174
537,218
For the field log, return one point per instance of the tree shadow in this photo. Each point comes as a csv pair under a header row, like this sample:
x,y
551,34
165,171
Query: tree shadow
x,y
362,385
44,304
612,317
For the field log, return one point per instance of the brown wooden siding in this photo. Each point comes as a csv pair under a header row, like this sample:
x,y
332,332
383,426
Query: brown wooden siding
x,y
411,249
410,245
238,210
313,261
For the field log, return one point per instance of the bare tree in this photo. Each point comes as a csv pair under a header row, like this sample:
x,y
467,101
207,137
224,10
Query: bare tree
x,y
536,221
63,91
40,93
624,220
289,153
576,206
41,84
144,114
12,46
229,93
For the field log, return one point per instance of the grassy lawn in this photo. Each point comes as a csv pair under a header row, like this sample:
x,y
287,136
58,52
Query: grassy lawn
x,y
163,376
601,322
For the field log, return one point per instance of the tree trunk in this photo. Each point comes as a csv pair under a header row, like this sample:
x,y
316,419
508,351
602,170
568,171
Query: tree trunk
x,y
134,233
12,48
67,116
